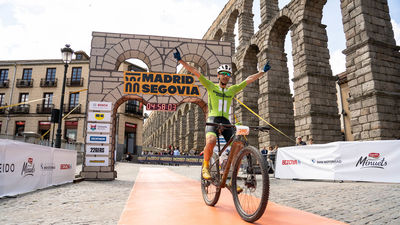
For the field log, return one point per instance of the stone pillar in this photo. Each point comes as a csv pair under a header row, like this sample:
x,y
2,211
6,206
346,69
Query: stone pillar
x,y
199,129
275,102
268,9
182,133
189,129
373,68
175,133
246,25
315,98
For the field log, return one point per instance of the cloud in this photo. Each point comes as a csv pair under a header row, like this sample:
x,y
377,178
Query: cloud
x,y
338,62
396,31
41,27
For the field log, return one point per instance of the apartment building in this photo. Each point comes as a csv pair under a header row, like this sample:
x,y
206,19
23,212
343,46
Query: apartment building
x,y
38,83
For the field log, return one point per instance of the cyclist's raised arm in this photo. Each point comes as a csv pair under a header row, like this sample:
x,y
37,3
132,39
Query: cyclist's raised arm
x,y
190,68
255,76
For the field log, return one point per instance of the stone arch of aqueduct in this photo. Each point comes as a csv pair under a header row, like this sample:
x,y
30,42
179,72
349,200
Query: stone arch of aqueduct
x,y
372,68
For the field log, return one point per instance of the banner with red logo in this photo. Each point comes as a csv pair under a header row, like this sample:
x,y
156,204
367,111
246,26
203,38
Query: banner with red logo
x,y
375,161
27,167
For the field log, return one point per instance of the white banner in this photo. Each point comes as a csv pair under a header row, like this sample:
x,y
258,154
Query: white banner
x,y
97,138
96,161
376,161
101,106
27,167
97,149
99,127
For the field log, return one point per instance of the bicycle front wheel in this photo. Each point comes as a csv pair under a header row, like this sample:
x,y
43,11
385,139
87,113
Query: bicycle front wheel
x,y
250,184
210,189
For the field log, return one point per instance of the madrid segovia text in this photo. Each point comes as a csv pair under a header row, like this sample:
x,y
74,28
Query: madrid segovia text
x,y
160,84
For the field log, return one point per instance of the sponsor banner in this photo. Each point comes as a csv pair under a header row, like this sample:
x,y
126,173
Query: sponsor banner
x,y
99,116
375,161
170,159
97,149
27,167
99,127
97,138
96,161
160,84
100,106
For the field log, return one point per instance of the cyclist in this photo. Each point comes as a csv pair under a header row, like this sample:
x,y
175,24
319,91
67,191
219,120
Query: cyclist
x,y
219,102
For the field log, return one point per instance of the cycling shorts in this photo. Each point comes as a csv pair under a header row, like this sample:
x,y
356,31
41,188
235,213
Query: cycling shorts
x,y
228,131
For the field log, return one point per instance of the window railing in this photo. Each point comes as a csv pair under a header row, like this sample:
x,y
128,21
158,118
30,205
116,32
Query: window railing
x,y
68,108
74,82
48,83
20,109
24,83
4,83
2,110
44,109
133,109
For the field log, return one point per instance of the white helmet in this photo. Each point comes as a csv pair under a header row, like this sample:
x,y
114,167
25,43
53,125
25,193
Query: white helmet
x,y
225,68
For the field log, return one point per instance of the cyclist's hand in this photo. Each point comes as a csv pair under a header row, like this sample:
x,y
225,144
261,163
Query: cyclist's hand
x,y
177,55
267,67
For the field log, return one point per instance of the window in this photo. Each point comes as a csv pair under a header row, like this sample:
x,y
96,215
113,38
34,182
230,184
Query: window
x,y
27,74
51,74
48,101
3,75
2,103
78,56
23,97
73,100
76,73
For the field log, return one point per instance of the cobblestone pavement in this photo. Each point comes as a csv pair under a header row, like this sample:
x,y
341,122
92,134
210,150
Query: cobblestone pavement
x,y
95,202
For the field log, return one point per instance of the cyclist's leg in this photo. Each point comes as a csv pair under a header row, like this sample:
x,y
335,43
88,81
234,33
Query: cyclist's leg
x,y
211,139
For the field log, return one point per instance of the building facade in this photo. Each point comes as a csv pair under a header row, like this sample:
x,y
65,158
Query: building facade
x,y
37,84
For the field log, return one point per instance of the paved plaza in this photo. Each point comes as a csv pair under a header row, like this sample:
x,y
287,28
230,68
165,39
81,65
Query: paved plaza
x,y
102,202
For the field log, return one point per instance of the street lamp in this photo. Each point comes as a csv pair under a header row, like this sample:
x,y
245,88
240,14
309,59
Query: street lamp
x,y
67,58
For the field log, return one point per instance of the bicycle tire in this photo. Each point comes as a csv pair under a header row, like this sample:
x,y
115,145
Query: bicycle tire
x,y
210,189
249,168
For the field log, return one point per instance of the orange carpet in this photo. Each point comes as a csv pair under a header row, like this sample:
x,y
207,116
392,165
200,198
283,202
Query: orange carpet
x,y
160,196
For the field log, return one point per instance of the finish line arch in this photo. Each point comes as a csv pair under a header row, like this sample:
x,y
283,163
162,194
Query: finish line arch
x,y
106,85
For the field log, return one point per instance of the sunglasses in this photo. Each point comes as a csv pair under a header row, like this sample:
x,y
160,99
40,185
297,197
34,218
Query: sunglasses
x,y
225,73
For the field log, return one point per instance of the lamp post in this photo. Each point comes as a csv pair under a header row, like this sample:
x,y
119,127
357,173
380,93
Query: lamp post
x,y
67,58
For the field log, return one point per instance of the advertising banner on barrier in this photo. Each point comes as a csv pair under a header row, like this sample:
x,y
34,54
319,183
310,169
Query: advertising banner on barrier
x,y
376,161
27,167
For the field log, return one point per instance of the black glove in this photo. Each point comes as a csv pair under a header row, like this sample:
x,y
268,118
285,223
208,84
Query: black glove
x,y
267,67
177,55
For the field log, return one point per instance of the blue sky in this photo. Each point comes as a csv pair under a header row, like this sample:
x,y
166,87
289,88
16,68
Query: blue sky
x,y
38,29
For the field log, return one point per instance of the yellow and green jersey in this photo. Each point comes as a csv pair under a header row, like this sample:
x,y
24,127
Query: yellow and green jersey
x,y
220,99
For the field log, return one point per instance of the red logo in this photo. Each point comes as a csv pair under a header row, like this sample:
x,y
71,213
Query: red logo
x,y
373,155
289,162
65,166
30,160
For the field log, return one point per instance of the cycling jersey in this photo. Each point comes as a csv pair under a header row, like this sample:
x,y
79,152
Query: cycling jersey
x,y
220,99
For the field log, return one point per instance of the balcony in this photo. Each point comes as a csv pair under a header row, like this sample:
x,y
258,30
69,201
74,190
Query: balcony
x,y
133,109
24,83
74,82
20,109
2,110
44,109
4,83
48,83
68,108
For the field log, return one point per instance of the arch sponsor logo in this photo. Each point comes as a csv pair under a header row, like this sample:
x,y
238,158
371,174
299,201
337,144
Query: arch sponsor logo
x,y
99,116
98,127
96,161
160,84
101,139
373,160
97,149
101,106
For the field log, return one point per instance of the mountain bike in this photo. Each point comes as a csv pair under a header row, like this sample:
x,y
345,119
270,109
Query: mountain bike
x,y
248,177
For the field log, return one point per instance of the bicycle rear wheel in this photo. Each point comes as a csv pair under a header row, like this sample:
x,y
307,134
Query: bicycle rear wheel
x,y
251,175
210,189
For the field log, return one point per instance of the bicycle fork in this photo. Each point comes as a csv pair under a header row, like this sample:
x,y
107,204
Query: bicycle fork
x,y
236,146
